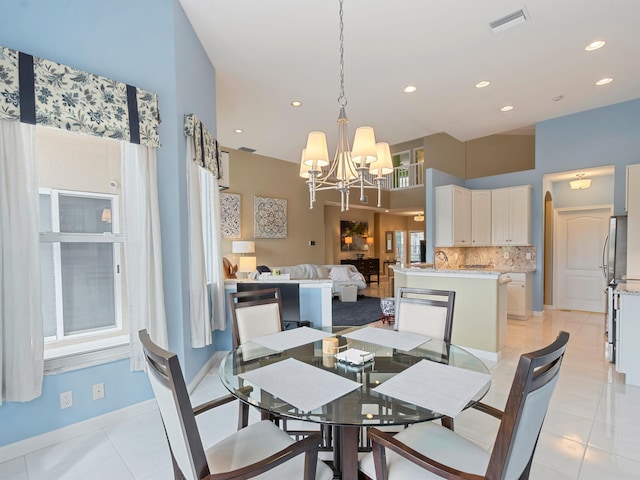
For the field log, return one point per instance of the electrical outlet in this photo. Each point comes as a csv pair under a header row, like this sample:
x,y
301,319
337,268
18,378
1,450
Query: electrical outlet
x,y
527,255
505,254
66,399
98,391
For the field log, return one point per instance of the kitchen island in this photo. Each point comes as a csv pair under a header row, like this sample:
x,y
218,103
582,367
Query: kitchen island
x,y
480,312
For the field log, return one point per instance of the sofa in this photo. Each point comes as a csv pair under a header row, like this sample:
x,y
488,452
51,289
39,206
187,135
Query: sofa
x,y
338,274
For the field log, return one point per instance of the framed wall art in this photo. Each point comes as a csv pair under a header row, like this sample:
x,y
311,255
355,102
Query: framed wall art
x,y
230,214
269,217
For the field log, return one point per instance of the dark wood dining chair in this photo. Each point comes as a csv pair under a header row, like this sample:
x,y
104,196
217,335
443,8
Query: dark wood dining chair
x,y
425,311
255,313
428,450
260,447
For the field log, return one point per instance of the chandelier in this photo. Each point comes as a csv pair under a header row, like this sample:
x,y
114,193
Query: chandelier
x,y
362,167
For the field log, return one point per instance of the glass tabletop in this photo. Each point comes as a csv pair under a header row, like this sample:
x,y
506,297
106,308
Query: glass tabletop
x,y
361,407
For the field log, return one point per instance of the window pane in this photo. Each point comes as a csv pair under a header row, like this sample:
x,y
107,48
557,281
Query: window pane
x,y
47,281
84,215
87,286
45,212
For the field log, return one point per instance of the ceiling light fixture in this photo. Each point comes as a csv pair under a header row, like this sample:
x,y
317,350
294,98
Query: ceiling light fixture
x,y
296,103
349,167
604,81
483,83
238,130
410,89
581,183
419,217
506,108
595,45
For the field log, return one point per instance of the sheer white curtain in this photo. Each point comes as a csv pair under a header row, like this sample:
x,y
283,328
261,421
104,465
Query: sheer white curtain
x,y
206,289
142,248
21,340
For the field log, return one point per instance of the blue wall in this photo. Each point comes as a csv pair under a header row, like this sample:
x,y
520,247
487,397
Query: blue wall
x,y
149,44
604,136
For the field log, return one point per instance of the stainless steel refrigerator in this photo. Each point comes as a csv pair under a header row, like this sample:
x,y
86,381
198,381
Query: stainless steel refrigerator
x,y
614,268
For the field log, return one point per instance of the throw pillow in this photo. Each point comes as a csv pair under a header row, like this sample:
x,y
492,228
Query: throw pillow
x,y
340,274
323,272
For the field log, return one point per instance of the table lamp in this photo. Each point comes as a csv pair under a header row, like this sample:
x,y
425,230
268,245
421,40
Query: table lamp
x,y
246,264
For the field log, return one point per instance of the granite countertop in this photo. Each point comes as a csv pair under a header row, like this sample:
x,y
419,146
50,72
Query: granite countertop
x,y
630,287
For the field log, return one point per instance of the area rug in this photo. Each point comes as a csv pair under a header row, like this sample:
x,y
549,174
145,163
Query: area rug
x,y
365,310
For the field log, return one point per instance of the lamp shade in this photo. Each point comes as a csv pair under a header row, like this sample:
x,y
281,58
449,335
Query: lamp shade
x,y
364,146
348,240
316,153
369,240
243,246
247,264
344,170
304,168
383,164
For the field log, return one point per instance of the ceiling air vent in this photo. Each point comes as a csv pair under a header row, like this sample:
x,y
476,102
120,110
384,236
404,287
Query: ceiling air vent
x,y
509,21
247,149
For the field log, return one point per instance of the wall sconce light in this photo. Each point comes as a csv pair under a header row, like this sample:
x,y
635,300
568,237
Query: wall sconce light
x,y
246,264
106,215
580,183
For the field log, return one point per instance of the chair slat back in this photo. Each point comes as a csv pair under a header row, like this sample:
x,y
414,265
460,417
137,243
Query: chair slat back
x,y
527,404
255,313
426,312
175,408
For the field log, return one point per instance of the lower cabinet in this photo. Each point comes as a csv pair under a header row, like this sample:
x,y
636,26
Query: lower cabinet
x,y
628,333
519,295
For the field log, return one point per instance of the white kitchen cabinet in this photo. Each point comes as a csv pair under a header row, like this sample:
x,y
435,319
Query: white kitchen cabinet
x,y
633,221
480,218
628,335
453,216
511,216
519,295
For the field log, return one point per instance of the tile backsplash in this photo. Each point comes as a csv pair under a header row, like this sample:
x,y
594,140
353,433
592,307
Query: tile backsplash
x,y
488,257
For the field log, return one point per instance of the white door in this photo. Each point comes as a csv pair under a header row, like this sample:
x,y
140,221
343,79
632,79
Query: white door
x,y
580,235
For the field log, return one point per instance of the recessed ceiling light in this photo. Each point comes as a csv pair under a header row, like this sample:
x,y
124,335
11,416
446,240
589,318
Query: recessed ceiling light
x,y
506,108
604,81
483,83
410,89
296,103
557,98
238,130
595,45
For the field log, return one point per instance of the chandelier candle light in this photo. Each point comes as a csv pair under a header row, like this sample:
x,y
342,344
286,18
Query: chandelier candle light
x,y
348,167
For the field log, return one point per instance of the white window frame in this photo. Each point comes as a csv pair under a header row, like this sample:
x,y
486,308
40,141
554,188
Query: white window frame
x,y
90,350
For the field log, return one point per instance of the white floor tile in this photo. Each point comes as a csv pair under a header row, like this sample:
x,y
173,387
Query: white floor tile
x,y
15,469
599,465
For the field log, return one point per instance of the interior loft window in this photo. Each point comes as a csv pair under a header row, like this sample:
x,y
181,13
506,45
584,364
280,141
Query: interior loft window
x,y
81,250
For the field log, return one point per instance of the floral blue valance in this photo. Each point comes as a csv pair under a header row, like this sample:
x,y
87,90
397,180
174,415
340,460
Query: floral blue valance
x,y
206,148
40,92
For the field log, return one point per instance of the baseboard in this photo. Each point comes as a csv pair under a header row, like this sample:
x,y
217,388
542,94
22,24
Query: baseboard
x,y
538,313
484,355
215,359
30,445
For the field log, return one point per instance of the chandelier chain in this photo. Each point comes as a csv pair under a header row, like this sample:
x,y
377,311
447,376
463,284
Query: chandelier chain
x,y
342,100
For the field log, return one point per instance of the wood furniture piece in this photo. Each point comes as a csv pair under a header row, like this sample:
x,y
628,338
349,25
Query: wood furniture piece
x,y
366,266
425,311
443,453
255,313
363,407
264,447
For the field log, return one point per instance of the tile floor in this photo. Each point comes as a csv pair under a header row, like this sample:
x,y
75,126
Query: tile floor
x,y
592,429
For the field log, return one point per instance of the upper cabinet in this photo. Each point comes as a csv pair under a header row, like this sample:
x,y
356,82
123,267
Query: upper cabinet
x,y
511,216
480,218
633,222
453,216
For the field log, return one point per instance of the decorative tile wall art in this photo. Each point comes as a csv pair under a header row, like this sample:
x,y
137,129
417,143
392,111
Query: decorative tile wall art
x,y
269,217
230,210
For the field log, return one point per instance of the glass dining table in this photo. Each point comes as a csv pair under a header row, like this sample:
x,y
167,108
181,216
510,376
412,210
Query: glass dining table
x,y
362,407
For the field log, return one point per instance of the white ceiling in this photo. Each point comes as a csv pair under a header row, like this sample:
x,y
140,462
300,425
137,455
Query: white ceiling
x,y
270,52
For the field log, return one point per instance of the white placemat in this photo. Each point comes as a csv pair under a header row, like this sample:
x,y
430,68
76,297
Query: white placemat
x,y
438,387
404,341
300,384
291,338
